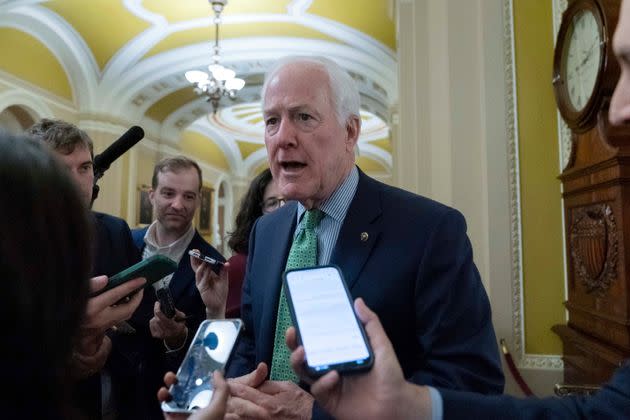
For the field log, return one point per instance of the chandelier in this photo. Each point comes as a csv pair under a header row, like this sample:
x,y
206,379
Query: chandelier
x,y
220,81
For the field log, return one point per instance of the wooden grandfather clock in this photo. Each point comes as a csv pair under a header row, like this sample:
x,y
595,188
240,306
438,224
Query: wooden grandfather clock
x,y
596,191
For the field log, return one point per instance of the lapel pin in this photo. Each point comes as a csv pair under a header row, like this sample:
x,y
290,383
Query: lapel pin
x,y
364,236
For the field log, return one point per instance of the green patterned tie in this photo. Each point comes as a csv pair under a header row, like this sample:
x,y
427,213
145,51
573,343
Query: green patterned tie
x,y
303,253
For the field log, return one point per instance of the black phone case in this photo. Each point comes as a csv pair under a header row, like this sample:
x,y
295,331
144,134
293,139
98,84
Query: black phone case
x,y
345,368
166,301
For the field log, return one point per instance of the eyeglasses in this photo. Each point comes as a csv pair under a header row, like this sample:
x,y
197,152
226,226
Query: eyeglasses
x,y
272,203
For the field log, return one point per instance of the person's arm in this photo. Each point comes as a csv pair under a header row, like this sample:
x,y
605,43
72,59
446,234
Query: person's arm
x,y
453,319
104,311
172,331
610,402
213,288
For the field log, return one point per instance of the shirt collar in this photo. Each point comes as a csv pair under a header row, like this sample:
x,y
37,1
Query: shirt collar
x,y
336,206
174,248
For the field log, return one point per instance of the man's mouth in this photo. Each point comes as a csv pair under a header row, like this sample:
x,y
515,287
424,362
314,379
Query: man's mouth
x,y
292,165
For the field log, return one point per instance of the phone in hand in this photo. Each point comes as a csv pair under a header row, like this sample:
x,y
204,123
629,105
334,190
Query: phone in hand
x,y
153,269
210,350
167,306
216,264
323,315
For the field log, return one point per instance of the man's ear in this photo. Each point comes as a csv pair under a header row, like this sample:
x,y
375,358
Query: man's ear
x,y
353,128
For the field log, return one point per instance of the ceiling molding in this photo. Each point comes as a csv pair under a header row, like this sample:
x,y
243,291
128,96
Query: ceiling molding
x,y
65,43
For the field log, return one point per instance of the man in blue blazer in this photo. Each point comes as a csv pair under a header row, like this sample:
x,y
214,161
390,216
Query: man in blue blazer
x,y
159,342
407,256
353,397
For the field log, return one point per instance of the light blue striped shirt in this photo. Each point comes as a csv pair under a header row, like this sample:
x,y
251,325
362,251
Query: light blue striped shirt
x,y
335,208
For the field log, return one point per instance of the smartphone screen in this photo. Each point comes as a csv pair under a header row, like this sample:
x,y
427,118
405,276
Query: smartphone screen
x,y
322,311
210,350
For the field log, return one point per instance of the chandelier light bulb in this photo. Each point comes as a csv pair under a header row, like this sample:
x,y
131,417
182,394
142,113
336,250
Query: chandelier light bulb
x,y
196,76
220,81
234,84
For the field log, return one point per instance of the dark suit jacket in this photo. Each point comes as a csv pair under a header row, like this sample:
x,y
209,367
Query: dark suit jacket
x,y
415,271
146,356
611,402
114,251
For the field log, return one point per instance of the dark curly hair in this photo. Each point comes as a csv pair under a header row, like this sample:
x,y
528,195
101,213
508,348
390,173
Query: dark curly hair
x,y
249,210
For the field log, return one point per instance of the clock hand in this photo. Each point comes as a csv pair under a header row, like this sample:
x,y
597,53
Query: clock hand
x,y
588,53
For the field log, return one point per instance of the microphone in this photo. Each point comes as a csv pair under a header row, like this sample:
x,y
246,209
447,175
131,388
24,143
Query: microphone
x,y
116,149
113,152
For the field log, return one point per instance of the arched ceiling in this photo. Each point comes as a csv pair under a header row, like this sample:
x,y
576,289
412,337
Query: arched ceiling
x,y
126,59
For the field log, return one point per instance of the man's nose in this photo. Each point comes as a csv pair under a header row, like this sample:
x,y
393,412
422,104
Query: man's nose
x,y
286,135
177,202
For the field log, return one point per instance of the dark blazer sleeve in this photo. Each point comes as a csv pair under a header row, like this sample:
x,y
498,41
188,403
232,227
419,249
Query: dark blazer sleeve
x,y
453,317
611,402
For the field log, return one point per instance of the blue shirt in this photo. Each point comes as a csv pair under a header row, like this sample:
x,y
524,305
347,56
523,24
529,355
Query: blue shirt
x,y
335,208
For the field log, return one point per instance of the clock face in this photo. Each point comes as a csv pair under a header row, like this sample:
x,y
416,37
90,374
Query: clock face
x,y
582,55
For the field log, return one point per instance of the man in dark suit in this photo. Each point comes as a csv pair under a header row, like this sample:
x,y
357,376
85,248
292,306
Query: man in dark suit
x,y
352,397
160,343
113,252
409,257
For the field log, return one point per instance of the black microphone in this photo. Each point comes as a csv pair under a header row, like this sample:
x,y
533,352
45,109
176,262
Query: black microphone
x,y
116,149
113,152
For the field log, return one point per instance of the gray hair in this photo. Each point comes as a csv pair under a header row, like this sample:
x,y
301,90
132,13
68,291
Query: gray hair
x,y
343,89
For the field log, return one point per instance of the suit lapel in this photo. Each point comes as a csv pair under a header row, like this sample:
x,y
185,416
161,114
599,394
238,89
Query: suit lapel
x,y
182,276
276,236
360,230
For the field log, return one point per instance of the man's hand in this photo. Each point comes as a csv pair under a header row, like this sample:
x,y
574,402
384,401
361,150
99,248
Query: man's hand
x,y
106,310
172,330
380,393
213,288
279,399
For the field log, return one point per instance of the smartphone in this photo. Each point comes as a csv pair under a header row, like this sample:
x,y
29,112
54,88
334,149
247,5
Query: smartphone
x,y
153,269
216,264
167,306
323,314
210,350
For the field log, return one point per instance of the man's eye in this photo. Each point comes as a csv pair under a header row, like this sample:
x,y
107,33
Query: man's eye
x,y
304,117
271,121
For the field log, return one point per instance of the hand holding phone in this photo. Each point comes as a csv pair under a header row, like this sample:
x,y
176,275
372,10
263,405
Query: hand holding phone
x,y
167,306
325,321
152,269
110,308
209,351
216,264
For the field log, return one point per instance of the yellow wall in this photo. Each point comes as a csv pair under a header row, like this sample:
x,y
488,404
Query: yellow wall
x,y
543,270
